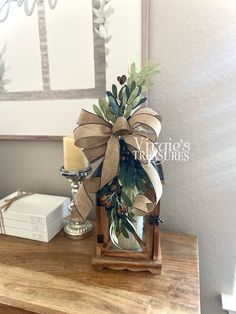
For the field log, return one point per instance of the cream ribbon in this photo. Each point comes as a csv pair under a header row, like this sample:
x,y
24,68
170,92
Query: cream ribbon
x,y
101,139
8,203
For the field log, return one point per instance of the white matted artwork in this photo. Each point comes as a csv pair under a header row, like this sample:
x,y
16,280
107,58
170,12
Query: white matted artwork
x,y
55,62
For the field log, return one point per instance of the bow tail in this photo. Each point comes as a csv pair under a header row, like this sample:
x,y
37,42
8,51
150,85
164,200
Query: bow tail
x,y
142,204
154,178
82,200
147,150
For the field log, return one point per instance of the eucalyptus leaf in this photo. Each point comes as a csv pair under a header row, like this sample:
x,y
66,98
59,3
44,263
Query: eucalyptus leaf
x,y
135,93
143,78
111,110
96,12
113,104
125,198
114,201
121,181
120,111
118,226
127,91
109,94
102,31
133,69
99,20
129,176
103,105
113,235
108,39
111,117
132,88
143,100
140,185
128,110
123,169
124,96
97,111
136,102
124,231
130,218
120,94
142,174
128,225
114,90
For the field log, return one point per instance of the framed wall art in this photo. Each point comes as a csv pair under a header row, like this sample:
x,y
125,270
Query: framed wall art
x,y
56,61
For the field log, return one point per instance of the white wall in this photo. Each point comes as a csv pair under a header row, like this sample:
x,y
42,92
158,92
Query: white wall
x,y
195,43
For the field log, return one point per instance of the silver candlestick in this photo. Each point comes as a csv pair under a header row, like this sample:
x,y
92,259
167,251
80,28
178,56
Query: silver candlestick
x,y
74,228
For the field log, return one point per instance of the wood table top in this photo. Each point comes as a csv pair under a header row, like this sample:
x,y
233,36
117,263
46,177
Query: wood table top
x,y
57,277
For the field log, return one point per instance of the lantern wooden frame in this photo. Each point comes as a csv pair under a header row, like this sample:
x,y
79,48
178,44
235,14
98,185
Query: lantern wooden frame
x,y
149,259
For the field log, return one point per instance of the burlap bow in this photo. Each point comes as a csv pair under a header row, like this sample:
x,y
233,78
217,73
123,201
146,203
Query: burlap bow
x,y
100,138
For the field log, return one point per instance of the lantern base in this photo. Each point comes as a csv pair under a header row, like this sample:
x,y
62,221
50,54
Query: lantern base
x,y
115,263
148,259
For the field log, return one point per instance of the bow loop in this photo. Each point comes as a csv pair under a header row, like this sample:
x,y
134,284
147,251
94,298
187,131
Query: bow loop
x,y
121,127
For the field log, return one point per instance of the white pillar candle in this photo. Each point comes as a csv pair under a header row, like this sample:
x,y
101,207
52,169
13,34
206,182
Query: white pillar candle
x,y
74,157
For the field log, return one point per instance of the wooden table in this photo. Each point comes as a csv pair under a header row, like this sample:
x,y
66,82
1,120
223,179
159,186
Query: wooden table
x,y
57,277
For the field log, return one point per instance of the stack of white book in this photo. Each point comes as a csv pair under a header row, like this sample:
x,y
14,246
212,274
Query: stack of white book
x,y
37,216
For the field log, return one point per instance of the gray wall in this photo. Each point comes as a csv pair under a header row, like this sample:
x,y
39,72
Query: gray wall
x,y
195,43
32,166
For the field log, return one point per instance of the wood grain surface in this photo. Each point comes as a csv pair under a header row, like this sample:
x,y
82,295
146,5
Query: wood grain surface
x,y
4,309
57,277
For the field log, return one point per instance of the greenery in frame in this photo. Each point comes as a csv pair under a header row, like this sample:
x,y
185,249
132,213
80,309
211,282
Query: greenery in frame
x,y
132,179
103,13
3,69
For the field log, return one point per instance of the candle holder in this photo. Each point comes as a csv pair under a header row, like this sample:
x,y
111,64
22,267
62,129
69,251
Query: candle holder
x,y
74,228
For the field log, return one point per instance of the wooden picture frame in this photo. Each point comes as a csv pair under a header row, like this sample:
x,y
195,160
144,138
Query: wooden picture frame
x,y
144,56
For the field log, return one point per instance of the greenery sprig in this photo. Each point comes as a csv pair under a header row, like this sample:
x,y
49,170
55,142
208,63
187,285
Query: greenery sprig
x,y
3,69
122,101
103,13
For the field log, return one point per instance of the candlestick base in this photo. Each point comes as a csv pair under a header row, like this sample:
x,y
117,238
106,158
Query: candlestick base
x,y
78,230
74,228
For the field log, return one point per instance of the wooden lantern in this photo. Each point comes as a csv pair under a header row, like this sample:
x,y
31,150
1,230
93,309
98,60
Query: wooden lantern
x,y
147,258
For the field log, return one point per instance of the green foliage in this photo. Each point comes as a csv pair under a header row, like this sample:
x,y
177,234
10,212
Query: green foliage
x,y
123,230
125,199
114,107
97,111
114,90
143,77
3,70
121,102
127,224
